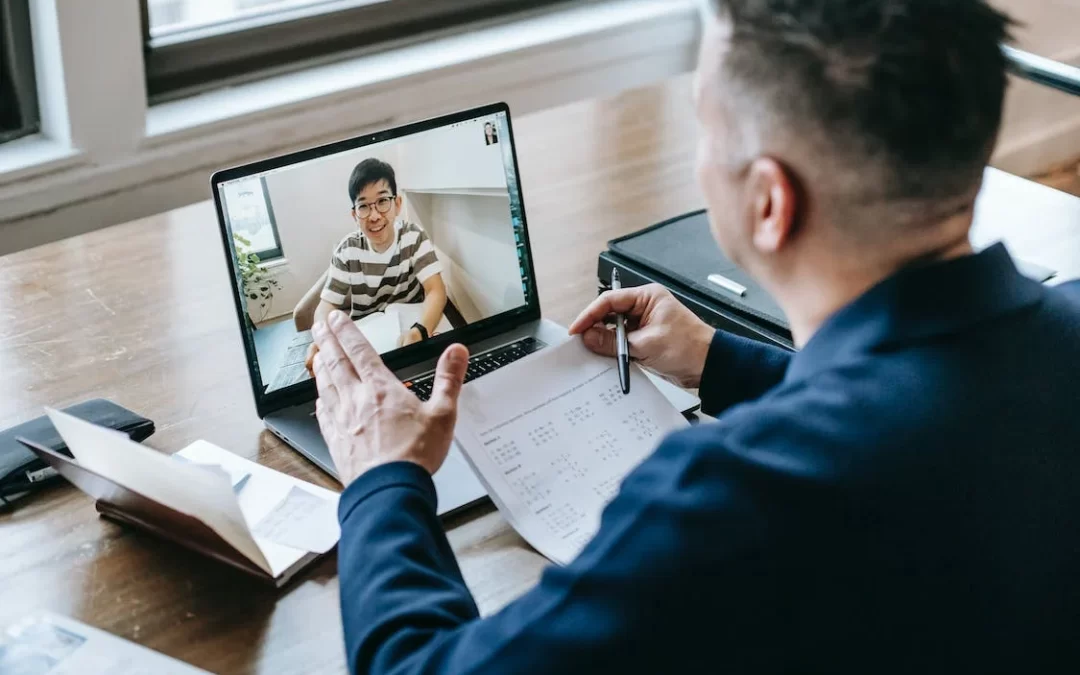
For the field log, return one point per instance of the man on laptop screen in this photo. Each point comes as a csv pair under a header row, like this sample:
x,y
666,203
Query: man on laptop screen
x,y
386,261
430,242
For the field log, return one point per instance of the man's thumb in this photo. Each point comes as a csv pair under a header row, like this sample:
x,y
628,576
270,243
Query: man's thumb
x,y
449,376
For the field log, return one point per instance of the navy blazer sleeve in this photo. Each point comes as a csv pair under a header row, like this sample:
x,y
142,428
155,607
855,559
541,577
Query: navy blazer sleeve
x,y
406,609
739,369
636,586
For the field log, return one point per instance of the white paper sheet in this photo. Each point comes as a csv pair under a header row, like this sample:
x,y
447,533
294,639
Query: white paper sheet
x,y
235,476
301,521
193,490
409,313
263,493
553,436
53,645
382,330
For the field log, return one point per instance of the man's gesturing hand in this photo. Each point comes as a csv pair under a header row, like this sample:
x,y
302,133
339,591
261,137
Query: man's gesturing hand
x,y
367,416
663,334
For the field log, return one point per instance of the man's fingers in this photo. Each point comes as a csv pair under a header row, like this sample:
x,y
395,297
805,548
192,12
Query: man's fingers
x,y
328,393
332,366
323,413
630,301
365,360
449,376
604,340
600,340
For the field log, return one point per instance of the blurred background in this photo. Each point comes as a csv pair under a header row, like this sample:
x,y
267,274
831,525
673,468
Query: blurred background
x,y
111,111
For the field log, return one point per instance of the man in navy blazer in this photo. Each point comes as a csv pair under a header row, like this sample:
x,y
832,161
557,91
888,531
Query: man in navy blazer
x,y
901,495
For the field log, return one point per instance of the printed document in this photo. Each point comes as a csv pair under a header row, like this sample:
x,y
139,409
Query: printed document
x,y
552,437
54,645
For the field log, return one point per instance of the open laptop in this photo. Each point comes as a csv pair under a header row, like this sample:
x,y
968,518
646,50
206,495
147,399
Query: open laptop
x,y
384,226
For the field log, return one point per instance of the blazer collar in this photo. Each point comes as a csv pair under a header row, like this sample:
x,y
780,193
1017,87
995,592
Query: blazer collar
x,y
916,304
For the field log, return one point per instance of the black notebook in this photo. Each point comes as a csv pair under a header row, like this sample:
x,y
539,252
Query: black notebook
x,y
21,470
683,249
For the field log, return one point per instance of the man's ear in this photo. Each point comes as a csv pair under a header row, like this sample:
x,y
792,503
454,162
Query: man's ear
x,y
773,202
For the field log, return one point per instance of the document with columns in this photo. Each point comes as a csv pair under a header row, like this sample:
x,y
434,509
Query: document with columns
x,y
552,437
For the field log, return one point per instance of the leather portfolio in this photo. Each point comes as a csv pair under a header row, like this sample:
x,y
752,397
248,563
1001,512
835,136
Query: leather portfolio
x,y
21,471
121,505
682,255
204,498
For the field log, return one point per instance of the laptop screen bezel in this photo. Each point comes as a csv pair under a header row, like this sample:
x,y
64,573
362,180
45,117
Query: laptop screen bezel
x,y
305,392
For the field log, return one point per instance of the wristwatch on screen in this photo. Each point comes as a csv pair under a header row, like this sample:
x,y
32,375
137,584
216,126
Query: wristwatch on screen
x,y
423,331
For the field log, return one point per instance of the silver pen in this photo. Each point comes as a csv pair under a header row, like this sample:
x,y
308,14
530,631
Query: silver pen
x,y
622,343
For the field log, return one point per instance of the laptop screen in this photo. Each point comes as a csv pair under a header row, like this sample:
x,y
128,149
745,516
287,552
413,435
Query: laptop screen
x,y
414,238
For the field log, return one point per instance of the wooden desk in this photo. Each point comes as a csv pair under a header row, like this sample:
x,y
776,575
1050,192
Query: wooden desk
x,y
142,314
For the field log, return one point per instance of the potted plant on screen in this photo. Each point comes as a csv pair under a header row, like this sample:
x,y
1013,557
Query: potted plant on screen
x,y
257,285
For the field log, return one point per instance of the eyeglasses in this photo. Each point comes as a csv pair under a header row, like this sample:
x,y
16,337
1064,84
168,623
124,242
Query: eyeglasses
x,y
382,205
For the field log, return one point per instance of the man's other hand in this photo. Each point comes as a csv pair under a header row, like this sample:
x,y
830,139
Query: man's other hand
x,y
664,335
367,416
309,362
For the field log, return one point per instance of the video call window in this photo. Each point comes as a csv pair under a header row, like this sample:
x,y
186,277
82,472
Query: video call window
x,y
412,238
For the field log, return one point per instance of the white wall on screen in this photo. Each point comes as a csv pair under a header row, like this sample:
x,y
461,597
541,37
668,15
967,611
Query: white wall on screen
x,y
476,244
451,158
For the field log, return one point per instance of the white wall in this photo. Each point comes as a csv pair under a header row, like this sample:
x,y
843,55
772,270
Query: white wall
x,y
453,158
475,240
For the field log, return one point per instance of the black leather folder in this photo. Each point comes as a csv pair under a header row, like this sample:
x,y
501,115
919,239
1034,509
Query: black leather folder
x,y
681,254
21,471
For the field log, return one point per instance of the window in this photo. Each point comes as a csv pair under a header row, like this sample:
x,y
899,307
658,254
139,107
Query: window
x,y
18,87
195,44
251,216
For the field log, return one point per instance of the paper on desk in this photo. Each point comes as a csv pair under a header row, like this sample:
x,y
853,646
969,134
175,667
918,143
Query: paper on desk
x,y
382,330
55,645
268,492
187,488
235,475
553,453
302,521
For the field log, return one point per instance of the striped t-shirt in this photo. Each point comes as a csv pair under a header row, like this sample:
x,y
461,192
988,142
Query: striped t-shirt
x,y
365,281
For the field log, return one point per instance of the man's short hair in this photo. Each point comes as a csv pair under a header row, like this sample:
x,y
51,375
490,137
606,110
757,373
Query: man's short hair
x,y
370,171
910,90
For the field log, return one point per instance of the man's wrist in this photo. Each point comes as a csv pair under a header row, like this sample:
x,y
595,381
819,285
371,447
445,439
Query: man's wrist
x,y
699,346
383,476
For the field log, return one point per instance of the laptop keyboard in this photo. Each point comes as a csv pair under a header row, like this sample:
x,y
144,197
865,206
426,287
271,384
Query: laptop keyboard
x,y
481,364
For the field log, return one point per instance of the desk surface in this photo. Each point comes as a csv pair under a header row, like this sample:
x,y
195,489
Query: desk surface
x,y
142,314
